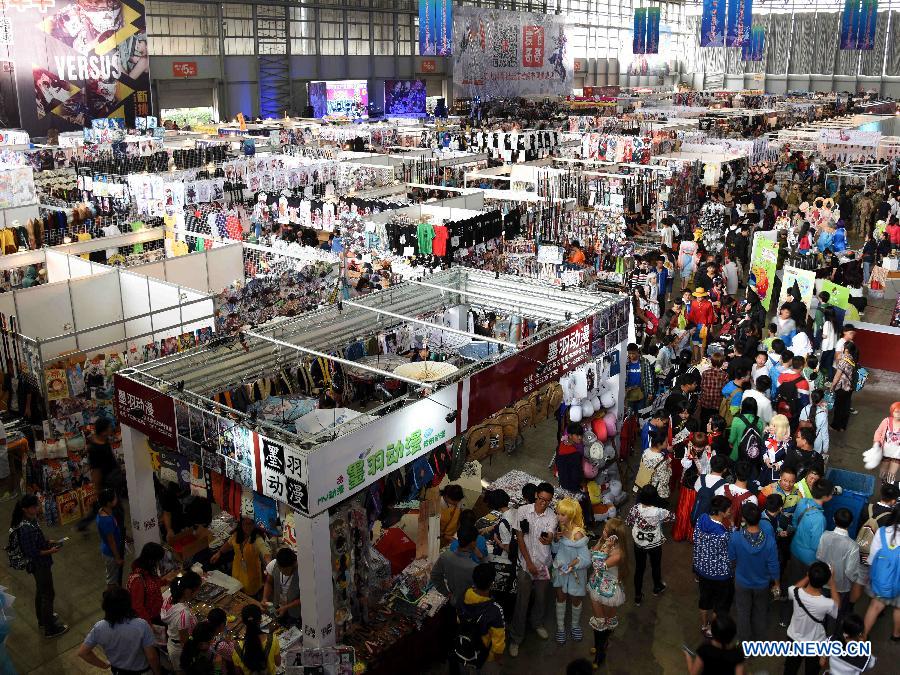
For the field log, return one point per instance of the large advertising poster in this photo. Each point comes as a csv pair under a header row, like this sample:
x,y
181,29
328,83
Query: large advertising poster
x,y
347,98
763,265
503,54
75,61
653,16
435,27
712,24
639,37
754,48
404,98
740,18
850,24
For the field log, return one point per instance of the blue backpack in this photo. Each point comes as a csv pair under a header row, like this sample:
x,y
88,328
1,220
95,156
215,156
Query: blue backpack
x,y
704,497
885,573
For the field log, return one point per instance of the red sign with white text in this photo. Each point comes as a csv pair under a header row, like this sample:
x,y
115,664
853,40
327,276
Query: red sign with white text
x,y
429,65
146,410
533,46
184,69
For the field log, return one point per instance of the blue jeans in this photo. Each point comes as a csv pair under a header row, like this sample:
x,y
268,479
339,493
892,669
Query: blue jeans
x,y
867,271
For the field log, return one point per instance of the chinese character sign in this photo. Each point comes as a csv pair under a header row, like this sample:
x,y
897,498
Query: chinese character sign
x,y
739,22
712,24
282,474
76,61
500,54
146,410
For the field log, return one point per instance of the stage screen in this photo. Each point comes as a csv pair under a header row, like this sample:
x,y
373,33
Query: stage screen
x,y
347,98
404,98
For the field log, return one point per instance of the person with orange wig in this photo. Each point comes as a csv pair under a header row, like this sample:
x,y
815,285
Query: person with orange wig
x,y
887,440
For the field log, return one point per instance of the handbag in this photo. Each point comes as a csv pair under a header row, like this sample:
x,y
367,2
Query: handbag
x,y
645,474
829,623
860,376
634,394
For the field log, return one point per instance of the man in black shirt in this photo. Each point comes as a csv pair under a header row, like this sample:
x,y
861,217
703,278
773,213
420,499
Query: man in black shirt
x,y
105,471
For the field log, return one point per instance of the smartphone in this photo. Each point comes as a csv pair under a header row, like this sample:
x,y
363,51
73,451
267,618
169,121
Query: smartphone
x,y
545,535
60,542
688,650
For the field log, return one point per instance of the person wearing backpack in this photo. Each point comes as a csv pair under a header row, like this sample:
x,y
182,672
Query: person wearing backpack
x,y
645,520
818,422
712,382
792,393
28,543
884,574
760,393
810,611
871,518
733,394
707,485
711,563
841,553
738,492
481,629
258,653
753,550
745,436
809,523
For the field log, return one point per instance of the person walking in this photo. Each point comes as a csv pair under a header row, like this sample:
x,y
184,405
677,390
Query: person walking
x,y
843,385
112,539
810,609
125,639
481,625
841,553
571,560
711,562
38,552
536,527
884,582
755,555
645,520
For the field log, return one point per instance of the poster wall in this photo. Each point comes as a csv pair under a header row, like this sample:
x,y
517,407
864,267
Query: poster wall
x,y
347,98
639,39
404,98
435,27
502,54
712,24
763,264
76,60
805,281
740,19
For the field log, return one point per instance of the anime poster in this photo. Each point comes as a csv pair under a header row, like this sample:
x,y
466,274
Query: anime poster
x,y
347,98
404,98
653,16
318,98
740,19
754,48
712,24
639,34
868,21
77,60
502,54
435,27
850,24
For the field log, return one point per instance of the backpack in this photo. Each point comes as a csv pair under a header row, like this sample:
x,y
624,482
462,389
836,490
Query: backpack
x,y
866,533
513,553
885,571
726,406
737,501
469,648
16,559
787,398
704,497
751,443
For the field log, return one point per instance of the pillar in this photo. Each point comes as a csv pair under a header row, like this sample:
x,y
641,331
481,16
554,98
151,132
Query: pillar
x,y
316,588
141,496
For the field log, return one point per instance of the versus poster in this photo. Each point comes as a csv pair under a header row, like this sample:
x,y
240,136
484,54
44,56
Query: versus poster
x,y
435,27
740,19
75,61
712,24
639,39
652,30
850,24
404,98
500,54
754,48
868,20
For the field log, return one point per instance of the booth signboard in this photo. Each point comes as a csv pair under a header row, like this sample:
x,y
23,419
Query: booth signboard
x,y
805,281
763,265
346,465
839,295
282,473
146,410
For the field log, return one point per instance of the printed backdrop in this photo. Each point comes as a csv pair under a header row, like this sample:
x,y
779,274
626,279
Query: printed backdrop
x,y
501,54
74,61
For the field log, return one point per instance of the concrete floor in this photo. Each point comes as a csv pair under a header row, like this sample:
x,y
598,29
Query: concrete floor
x,y
648,639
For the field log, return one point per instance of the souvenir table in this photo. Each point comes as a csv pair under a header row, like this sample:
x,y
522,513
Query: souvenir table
x,y
513,481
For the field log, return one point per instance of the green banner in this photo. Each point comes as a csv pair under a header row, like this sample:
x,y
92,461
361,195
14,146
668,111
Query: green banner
x,y
763,264
840,295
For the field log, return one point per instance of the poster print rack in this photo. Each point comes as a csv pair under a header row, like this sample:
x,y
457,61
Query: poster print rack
x,y
501,54
74,61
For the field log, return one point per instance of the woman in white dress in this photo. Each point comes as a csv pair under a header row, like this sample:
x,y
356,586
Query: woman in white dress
x,y
609,562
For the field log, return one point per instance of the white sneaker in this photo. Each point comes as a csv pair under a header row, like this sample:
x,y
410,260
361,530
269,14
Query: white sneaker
x,y
513,649
542,632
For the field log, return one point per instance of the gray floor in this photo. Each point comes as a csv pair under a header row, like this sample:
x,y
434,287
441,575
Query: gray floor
x,y
648,639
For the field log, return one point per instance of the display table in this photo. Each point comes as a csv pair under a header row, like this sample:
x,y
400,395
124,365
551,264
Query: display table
x,y
513,481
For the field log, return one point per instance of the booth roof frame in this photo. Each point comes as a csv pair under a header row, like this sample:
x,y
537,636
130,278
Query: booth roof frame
x,y
195,375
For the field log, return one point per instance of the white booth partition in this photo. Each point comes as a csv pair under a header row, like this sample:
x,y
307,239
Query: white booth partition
x,y
206,271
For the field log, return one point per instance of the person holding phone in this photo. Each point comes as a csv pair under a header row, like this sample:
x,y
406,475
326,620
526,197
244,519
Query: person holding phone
x,y
536,527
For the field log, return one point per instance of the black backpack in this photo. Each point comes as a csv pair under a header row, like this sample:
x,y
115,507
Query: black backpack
x,y
469,647
787,398
751,444
704,497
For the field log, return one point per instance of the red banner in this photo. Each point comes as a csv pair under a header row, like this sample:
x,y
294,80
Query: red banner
x,y
146,410
509,380
184,69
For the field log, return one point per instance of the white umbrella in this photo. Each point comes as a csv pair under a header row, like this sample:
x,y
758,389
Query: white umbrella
x,y
426,371
326,418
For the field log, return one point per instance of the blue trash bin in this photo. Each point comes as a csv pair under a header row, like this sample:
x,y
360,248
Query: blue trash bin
x,y
858,490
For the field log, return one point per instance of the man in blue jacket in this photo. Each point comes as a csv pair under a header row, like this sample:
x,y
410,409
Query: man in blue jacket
x,y
809,523
755,555
711,563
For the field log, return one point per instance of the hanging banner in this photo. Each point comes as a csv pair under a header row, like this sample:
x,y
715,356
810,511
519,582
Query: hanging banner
x,y
435,27
502,54
639,39
146,410
850,24
754,48
652,31
868,21
74,61
805,280
740,19
763,264
849,137
712,24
